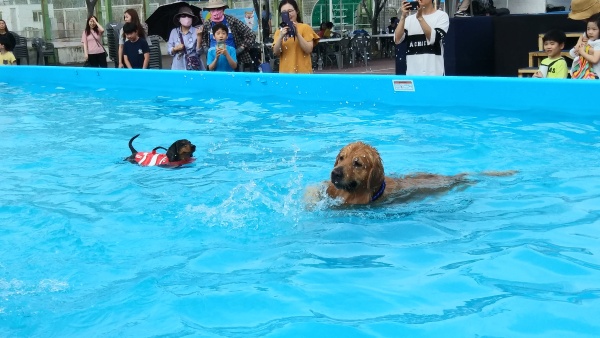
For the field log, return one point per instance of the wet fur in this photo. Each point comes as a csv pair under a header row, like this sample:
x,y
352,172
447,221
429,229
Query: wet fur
x,y
180,150
358,175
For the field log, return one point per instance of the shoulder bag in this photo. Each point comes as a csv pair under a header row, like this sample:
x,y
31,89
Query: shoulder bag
x,y
192,62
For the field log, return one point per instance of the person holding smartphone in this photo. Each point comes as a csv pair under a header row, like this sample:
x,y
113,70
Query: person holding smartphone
x,y
424,33
294,41
221,57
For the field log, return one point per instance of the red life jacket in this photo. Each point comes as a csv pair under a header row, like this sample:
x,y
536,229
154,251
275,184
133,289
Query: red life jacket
x,y
151,158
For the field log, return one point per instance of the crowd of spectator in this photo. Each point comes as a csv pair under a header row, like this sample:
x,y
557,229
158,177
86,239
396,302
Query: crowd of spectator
x,y
225,40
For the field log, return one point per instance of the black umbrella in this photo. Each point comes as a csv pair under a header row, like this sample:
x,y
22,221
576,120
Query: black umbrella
x,y
161,21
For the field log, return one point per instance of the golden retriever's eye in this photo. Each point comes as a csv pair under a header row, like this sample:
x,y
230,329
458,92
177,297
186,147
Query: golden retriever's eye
x,y
341,157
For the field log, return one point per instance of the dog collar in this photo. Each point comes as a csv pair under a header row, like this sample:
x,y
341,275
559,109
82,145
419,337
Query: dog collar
x,y
378,193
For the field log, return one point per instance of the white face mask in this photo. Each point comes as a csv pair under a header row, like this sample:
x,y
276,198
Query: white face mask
x,y
186,22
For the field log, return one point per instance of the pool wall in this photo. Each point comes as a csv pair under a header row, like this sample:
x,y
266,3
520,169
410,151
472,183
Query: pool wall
x,y
562,96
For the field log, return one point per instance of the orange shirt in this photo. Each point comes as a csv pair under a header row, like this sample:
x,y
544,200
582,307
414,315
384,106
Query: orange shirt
x,y
292,58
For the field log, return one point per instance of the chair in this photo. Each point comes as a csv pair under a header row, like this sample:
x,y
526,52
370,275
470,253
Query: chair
x,y
45,50
112,35
155,54
338,51
20,50
361,48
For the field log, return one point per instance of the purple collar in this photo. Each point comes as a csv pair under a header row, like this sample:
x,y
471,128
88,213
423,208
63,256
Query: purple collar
x,y
379,192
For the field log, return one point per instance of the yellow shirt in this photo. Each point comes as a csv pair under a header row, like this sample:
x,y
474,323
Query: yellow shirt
x,y
7,59
557,68
292,57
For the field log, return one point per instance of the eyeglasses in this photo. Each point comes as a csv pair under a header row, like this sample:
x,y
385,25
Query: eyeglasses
x,y
288,11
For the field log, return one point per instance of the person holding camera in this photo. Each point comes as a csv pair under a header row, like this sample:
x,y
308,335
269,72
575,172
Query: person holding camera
x,y
294,41
424,33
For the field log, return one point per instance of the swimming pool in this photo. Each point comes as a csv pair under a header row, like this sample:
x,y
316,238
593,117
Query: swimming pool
x,y
94,246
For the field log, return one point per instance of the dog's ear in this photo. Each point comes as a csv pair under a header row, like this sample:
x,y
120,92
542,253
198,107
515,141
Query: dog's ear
x,y
173,152
376,174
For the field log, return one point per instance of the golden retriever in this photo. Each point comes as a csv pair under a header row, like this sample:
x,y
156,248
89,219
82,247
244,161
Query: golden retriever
x,y
358,177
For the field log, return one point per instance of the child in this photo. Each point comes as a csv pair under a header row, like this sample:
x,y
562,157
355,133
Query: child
x,y
136,53
222,57
6,58
554,66
586,62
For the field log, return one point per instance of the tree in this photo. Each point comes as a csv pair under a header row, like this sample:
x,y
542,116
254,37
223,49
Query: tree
x,y
90,4
373,16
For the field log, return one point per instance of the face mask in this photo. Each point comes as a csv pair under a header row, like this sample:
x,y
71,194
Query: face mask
x,y
185,22
217,15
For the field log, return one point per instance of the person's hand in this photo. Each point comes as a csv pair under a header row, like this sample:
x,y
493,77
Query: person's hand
x,y
419,13
199,30
283,32
581,49
179,47
538,74
220,51
405,8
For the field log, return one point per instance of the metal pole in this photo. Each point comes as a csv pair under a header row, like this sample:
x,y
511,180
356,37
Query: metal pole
x,y
46,21
109,13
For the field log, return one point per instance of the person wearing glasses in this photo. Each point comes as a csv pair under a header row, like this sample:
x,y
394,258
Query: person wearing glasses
x,y
294,51
239,35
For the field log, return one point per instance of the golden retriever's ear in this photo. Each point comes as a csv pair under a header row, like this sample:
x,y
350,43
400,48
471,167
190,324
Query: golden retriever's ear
x,y
376,174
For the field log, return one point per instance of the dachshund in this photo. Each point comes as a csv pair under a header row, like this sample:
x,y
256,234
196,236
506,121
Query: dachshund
x,y
179,153
358,177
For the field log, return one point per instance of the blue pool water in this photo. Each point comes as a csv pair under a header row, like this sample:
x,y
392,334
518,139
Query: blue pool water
x,y
94,246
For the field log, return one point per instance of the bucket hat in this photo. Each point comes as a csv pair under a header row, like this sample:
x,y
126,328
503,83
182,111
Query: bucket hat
x,y
186,11
214,4
584,9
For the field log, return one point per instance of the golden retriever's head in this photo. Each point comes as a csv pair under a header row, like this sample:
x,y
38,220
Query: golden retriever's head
x,y
358,169
181,150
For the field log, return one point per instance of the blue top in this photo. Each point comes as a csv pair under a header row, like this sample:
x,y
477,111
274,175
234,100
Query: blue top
x,y
222,64
189,40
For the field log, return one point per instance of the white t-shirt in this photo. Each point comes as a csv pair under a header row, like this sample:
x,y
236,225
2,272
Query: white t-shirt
x,y
425,55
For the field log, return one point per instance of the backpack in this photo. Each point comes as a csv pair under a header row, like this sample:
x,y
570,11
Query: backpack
x,y
483,7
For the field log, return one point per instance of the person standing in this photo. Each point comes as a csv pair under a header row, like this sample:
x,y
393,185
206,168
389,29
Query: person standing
x,y
295,51
265,17
136,53
424,33
184,40
239,36
221,58
9,38
131,16
6,57
92,48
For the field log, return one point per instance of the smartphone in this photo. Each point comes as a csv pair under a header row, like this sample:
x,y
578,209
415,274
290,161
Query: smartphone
x,y
414,5
221,45
285,16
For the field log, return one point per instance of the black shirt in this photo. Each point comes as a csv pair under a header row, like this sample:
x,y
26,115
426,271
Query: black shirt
x,y
135,52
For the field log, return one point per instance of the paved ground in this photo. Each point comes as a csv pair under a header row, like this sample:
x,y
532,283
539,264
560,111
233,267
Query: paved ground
x,y
375,66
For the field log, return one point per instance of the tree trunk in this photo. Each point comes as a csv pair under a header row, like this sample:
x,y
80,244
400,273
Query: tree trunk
x,y
90,4
374,16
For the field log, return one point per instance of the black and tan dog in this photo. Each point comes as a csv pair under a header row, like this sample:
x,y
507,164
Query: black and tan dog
x,y
358,177
179,153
